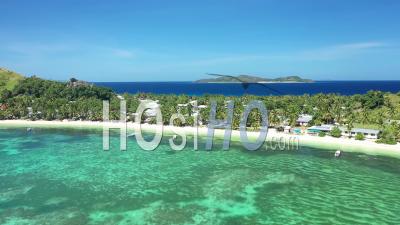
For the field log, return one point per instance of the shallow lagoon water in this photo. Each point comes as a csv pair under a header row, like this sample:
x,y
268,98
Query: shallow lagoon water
x,y
62,176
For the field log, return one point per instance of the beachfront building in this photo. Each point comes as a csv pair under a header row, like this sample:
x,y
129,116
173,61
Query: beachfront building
x,y
30,112
325,128
368,133
287,129
151,111
304,120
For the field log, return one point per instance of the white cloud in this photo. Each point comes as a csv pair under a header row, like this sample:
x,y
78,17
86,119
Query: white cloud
x,y
362,45
123,53
326,53
37,52
30,49
337,51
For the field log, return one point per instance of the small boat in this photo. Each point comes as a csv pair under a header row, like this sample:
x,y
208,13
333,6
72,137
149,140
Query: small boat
x,y
338,153
29,129
131,135
174,137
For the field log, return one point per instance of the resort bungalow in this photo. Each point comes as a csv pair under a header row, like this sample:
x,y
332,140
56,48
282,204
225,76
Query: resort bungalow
x,y
151,107
30,112
202,106
287,129
304,120
368,133
326,128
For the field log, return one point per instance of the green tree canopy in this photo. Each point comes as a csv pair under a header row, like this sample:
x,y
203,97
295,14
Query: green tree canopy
x,y
336,132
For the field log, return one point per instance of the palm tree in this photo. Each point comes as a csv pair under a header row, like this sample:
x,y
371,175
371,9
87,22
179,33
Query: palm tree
x,y
350,125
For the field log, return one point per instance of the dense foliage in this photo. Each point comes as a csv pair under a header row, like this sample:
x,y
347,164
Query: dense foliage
x,y
8,79
390,134
336,132
359,136
51,100
39,88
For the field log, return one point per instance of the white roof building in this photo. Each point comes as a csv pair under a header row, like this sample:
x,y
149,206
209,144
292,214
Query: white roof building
x,y
304,119
152,106
322,128
368,133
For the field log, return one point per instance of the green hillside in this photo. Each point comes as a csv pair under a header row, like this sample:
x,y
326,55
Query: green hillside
x,y
9,79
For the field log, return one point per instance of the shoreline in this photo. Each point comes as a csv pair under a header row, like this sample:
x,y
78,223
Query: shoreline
x,y
328,143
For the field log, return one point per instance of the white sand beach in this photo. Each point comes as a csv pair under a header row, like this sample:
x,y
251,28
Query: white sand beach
x,y
328,143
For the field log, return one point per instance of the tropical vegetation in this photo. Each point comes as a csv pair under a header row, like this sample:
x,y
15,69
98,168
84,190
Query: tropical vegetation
x,y
336,132
359,136
38,99
8,79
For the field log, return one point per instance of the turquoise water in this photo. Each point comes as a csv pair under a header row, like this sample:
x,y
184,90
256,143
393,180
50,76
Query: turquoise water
x,y
55,176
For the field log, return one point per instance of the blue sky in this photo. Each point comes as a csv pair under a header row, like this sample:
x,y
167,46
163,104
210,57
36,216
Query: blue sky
x,y
182,40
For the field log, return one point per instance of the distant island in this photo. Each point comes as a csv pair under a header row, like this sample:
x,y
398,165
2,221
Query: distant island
x,y
254,79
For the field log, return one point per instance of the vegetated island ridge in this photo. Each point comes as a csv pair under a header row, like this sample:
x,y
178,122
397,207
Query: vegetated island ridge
x,y
254,79
9,79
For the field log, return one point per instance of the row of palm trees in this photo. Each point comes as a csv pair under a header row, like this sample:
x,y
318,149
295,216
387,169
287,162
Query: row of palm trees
x,y
372,109
324,108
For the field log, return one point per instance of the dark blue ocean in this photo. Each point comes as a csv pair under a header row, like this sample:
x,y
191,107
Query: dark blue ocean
x,y
235,89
